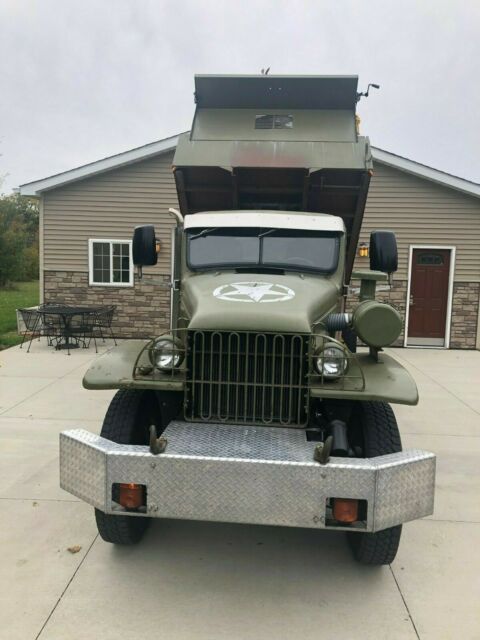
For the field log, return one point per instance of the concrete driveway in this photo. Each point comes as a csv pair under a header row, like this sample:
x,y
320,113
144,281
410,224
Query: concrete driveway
x,y
193,580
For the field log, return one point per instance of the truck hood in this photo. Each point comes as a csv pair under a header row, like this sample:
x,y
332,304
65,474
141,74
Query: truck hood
x,y
257,302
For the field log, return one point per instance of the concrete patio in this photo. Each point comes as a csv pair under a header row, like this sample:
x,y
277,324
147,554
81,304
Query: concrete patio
x,y
193,580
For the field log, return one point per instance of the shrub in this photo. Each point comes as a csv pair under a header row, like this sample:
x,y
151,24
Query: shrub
x,y
18,239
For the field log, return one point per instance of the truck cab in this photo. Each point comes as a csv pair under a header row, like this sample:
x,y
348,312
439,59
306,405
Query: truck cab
x,y
255,406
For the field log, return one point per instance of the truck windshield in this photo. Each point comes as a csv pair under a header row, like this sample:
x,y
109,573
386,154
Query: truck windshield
x,y
292,249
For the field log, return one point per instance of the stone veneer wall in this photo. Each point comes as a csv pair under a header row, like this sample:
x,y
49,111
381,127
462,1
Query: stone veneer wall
x,y
463,331
142,310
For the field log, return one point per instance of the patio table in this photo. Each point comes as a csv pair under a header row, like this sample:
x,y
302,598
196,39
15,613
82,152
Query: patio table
x,y
66,314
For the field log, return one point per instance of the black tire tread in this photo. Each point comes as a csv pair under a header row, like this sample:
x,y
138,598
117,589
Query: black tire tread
x,y
120,416
123,530
377,548
381,437
119,426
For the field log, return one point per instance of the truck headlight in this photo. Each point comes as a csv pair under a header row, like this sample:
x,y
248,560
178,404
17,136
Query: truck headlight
x,y
165,355
331,362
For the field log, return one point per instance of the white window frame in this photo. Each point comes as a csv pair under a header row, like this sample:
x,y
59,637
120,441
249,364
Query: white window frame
x,y
110,241
451,277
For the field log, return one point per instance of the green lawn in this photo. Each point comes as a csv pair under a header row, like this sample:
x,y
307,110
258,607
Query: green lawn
x,y
25,294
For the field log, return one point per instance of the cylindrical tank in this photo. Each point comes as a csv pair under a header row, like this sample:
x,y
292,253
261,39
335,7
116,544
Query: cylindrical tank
x,y
377,324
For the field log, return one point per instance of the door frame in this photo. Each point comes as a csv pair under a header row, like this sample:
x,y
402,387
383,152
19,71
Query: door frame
x,y
448,322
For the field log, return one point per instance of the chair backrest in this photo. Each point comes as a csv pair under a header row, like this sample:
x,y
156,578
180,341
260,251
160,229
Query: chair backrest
x,y
104,316
30,318
85,319
90,319
51,320
48,305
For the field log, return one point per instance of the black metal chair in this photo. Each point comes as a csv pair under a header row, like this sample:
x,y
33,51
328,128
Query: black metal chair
x,y
104,320
31,319
51,325
83,328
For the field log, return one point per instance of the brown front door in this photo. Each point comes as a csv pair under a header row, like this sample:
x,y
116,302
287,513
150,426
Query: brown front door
x,y
428,296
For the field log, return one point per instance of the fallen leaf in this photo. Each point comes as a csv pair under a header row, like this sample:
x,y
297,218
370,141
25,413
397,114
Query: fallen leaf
x,y
75,549
34,504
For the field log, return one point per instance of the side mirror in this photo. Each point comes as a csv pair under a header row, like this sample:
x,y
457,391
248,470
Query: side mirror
x,y
383,251
144,246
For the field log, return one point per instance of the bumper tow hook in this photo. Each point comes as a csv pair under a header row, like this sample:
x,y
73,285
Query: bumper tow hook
x,y
322,451
157,445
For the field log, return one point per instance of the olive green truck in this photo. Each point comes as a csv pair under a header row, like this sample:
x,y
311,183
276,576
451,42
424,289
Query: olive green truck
x,y
255,407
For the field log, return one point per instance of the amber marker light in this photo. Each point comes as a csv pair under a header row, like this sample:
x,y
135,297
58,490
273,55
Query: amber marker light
x,y
345,510
363,250
131,495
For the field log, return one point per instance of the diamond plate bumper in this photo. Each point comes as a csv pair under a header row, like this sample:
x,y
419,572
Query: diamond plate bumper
x,y
258,475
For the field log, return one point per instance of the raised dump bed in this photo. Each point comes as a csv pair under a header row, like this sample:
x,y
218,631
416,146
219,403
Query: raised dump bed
x,y
271,142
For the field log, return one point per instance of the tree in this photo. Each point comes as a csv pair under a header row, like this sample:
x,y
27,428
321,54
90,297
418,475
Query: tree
x,y
18,239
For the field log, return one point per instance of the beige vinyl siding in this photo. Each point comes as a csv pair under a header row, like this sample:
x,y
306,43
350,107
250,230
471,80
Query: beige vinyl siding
x,y
422,212
109,206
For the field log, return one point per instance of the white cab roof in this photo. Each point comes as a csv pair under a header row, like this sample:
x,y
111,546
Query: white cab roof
x,y
267,219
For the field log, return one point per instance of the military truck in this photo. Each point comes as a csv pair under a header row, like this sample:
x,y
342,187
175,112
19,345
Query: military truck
x,y
255,406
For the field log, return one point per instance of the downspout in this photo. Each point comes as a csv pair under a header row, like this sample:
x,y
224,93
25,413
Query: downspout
x,y
478,323
41,282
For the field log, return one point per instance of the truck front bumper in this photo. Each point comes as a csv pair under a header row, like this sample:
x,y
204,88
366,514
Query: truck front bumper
x,y
247,474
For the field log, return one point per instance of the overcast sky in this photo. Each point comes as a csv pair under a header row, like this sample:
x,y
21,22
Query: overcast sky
x,y
81,80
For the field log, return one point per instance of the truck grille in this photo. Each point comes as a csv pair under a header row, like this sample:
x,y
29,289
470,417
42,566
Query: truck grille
x,y
244,377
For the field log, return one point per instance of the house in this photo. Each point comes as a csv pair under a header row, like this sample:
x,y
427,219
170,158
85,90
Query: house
x,y
87,216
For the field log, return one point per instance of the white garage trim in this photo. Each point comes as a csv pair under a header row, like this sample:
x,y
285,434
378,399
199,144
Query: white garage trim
x,y
448,323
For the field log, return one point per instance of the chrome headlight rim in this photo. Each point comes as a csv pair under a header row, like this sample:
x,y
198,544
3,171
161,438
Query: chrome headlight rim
x,y
165,354
339,358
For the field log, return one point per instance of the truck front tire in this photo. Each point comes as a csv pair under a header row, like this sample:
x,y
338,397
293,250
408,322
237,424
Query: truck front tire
x,y
127,421
380,437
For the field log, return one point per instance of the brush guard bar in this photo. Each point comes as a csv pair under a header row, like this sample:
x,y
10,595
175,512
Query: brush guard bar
x,y
247,474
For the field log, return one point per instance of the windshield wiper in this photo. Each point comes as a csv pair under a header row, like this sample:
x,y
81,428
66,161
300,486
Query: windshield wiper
x,y
205,232
266,233
260,237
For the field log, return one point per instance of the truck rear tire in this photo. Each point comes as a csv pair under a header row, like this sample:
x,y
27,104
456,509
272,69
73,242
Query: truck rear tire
x,y
127,421
380,437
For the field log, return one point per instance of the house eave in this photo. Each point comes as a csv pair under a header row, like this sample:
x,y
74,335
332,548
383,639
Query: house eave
x,y
426,172
37,187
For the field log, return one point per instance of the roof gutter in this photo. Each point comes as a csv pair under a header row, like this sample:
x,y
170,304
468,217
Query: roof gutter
x,y
423,171
169,144
100,166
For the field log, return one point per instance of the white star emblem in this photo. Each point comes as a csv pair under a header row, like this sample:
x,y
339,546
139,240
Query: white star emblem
x,y
253,292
